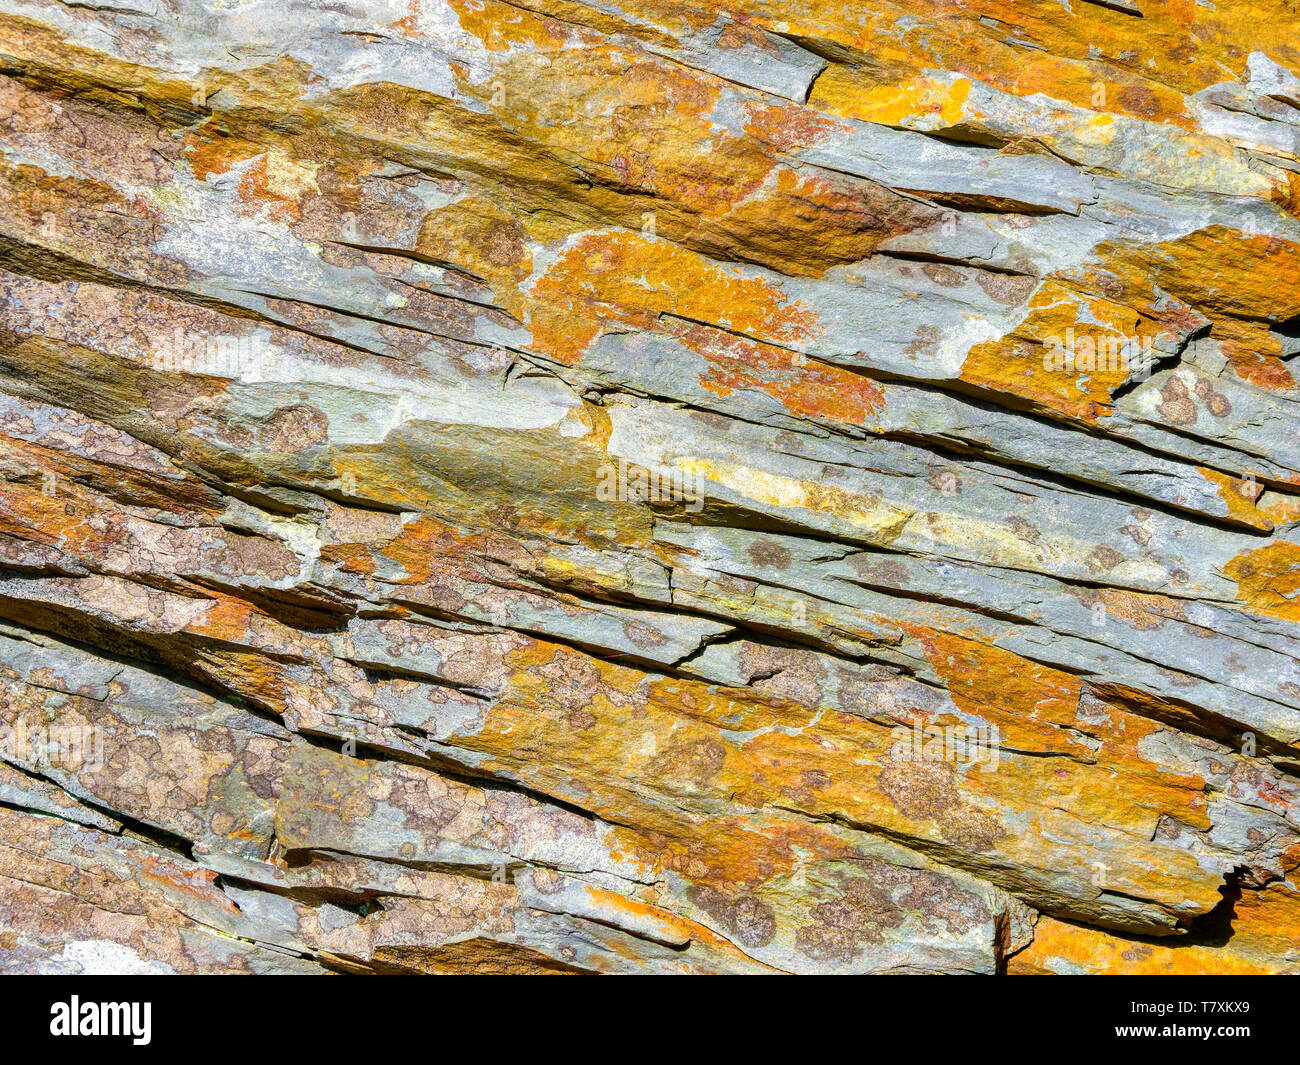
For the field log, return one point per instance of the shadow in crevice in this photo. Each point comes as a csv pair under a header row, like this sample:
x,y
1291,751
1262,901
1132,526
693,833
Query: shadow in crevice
x,y
1214,927
1288,333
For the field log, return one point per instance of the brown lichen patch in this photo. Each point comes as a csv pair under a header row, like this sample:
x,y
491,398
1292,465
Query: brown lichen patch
x,y
877,898
1143,611
748,920
813,390
789,674
85,219
695,762
926,793
1176,404
1102,559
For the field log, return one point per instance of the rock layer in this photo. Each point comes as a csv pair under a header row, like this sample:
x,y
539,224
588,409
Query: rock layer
x,y
649,486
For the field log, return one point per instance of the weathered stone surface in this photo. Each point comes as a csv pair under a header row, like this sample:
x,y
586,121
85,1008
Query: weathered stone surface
x,y
611,487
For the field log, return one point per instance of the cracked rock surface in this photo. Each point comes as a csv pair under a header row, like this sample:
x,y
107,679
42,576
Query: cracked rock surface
x,y
677,486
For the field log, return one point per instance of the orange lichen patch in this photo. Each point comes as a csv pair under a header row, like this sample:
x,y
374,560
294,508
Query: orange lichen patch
x,y
271,181
1039,708
479,236
1292,202
644,126
662,24
630,279
639,120
1254,354
607,725
1085,85
430,551
1239,496
1222,271
919,102
82,519
194,882
981,677
809,222
786,127
32,515
1068,355
1102,279
594,733
1273,375
229,618
1268,924
1105,95
683,927
422,545
1268,580
638,123
209,154
1029,702
350,558
502,26
1165,708
1070,77
409,24
970,809
674,16
813,390
741,851
1070,55
263,188
1265,931
1063,949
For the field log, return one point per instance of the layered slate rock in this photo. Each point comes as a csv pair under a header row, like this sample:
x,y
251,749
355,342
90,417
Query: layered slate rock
x,y
572,486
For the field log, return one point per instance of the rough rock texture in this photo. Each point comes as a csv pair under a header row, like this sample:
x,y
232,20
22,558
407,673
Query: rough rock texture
x,y
494,486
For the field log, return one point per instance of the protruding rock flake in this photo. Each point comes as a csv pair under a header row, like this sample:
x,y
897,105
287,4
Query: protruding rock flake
x,y
637,486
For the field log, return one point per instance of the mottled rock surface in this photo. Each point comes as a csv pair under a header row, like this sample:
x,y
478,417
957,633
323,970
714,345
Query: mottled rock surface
x,y
678,486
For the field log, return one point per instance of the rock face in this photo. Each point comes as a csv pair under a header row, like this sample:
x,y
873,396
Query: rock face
x,y
671,486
